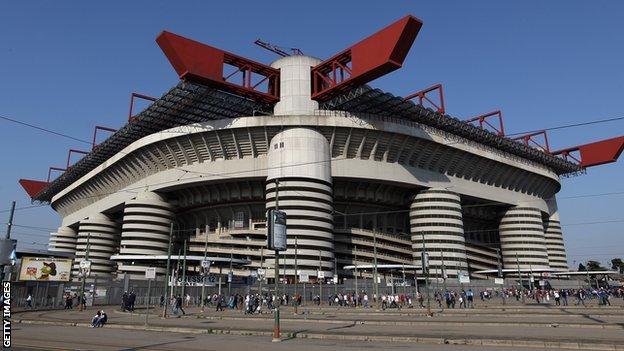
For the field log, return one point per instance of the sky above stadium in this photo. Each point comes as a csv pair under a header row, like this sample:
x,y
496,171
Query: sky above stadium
x,y
69,66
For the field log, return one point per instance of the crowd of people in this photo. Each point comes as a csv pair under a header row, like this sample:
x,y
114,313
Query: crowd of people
x,y
449,298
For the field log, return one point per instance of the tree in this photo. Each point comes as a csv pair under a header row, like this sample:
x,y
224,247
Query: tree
x,y
581,268
595,266
618,265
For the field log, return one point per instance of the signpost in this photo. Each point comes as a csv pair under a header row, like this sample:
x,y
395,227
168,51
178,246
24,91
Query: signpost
x,y
150,273
276,236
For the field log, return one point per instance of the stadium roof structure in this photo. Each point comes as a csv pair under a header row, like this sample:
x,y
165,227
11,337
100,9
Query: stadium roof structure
x,y
186,103
206,92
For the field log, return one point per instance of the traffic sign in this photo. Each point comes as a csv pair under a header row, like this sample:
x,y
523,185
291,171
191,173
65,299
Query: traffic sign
x,y
261,272
499,281
304,278
321,274
205,264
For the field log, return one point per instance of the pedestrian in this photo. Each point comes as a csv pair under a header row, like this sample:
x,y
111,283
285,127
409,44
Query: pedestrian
x,y
162,300
557,298
178,304
29,301
469,299
220,303
95,319
69,303
131,300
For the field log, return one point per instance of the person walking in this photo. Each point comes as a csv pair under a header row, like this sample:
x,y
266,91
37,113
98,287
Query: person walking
x,y
29,301
178,304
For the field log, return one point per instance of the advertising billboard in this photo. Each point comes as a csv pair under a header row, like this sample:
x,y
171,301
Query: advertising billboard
x,y
45,269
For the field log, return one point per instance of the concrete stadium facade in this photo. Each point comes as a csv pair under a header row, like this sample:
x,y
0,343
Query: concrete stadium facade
x,y
350,183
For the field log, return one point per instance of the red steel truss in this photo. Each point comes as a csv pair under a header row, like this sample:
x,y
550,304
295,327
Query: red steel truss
x,y
371,58
531,140
74,151
423,98
54,169
93,144
139,96
483,121
205,64
594,154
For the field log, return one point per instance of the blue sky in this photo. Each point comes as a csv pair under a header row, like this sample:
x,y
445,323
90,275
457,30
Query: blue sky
x,y
71,65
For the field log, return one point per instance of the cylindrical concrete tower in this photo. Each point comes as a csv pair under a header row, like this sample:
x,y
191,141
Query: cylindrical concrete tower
x,y
103,236
63,240
300,159
295,85
554,243
521,234
436,216
145,230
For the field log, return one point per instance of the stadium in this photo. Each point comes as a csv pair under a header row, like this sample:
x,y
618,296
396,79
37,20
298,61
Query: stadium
x,y
366,178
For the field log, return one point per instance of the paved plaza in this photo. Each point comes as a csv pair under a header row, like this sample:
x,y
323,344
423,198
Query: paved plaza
x,y
490,325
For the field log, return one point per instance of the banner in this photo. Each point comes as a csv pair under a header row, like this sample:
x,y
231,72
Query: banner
x,y
45,269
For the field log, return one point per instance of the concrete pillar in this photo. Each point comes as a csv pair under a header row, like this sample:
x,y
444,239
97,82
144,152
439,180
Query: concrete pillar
x,y
64,240
554,243
103,234
300,159
436,214
521,233
295,85
145,231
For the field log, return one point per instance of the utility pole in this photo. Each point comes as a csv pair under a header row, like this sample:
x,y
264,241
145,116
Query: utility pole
x,y
520,277
375,277
588,279
320,280
404,280
8,234
296,272
335,278
10,223
82,301
276,326
444,274
205,272
425,270
177,273
230,273
500,273
184,271
260,278
356,273
164,313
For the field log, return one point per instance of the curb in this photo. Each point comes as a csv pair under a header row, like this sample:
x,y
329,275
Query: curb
x,y
350,337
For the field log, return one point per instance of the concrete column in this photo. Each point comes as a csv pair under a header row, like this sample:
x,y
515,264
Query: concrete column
x,y
103,236
295,85
436,214
64,240
554,243
300,159
145,231
521,233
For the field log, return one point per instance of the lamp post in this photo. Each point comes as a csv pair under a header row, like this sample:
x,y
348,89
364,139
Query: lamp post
x,y
424,262
375,278
205,271
85,272
164,313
